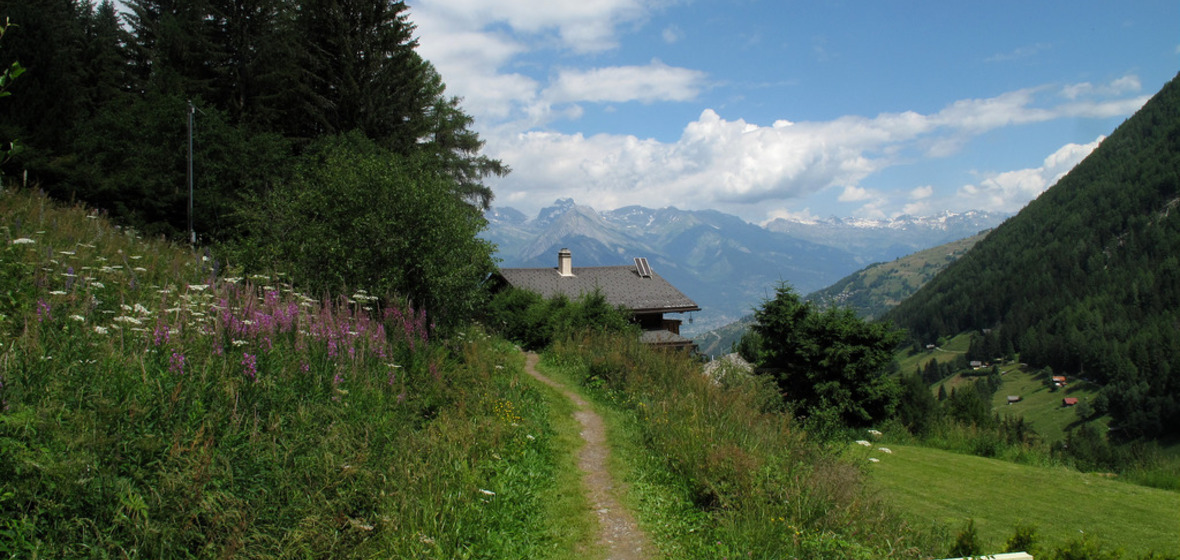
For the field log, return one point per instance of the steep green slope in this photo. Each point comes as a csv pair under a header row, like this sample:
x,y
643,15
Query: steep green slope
x,y
877,288
1086,279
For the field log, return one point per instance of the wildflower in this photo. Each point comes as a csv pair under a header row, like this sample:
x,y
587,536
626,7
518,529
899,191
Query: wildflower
x,y
98,285
67,253
78,318
198,287
885,450
98,329
57,293
23,241
875,433
486,492
142,310
43,311
250,366
139,269
128,320
874,460
864,443
176,363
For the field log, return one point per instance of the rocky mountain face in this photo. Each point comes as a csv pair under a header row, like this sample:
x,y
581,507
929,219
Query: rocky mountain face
x,y
725,264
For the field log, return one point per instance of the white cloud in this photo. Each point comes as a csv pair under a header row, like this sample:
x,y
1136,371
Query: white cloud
x,y
654,82
576,25
1124,85
1011,190
922,192
854,194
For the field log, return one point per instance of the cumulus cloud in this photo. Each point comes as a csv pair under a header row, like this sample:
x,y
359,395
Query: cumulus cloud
x,y
854,194
482,50
1011,190
655,82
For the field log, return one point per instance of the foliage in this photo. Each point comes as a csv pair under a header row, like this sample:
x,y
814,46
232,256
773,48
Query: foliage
x,y
356,215
535,323
966,542
830,364
103,110
1085,279
718,473
150,406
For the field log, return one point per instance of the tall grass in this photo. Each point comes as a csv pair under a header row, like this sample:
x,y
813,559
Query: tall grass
x,y
153,407
722,472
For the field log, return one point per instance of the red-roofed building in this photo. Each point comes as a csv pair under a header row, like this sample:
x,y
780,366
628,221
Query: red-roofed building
x,y
1069,401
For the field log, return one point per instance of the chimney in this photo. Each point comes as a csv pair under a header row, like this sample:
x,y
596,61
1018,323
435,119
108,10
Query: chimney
x,y
565,265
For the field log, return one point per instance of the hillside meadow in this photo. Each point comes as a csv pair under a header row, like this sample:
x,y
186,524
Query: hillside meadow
x,y
152,405
1063,504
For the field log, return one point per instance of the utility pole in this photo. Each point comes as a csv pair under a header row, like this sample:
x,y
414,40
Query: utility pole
x,y
191,231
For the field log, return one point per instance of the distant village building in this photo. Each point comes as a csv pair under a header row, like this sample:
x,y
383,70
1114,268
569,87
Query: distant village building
x,y
636,288
1014,399
1069,401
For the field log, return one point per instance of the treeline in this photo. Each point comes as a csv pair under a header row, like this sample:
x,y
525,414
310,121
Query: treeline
x,y
1086,279
287,98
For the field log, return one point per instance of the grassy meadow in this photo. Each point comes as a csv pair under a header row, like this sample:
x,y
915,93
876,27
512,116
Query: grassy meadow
x,y
1042,407
152,405
941,487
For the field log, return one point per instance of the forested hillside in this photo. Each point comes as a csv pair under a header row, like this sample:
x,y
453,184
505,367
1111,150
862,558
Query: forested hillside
x,y
315,129
879,287
1086,279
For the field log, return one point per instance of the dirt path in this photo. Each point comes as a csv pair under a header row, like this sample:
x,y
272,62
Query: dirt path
x,y
618,533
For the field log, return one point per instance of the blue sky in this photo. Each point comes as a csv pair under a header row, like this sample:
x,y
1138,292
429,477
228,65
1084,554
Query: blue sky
x,y
772,109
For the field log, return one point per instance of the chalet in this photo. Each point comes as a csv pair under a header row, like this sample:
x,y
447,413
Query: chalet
x,y
635,287
1012,399
1069,401
976,364
1058,381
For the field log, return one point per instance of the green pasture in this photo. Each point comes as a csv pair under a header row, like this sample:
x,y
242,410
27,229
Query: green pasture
x,y
936,487
1042,407
949,350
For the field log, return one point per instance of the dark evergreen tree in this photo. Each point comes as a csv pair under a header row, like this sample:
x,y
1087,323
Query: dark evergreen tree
x,y
828,363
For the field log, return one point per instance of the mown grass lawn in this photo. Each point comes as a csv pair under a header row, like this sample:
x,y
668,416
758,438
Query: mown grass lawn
x,y
941,487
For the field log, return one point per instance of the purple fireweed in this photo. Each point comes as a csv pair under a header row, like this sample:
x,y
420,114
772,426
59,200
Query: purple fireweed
x,y
176,363
250,366
44,311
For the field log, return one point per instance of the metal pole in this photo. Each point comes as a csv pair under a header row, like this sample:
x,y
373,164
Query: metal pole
x,y
191,232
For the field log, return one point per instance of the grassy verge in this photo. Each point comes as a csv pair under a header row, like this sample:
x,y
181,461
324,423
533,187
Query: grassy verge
x,y
714,470
152,406
572,524
946,488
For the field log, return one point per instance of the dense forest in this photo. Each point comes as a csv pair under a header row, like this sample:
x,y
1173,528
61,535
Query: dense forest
x,y
304,116
1086,279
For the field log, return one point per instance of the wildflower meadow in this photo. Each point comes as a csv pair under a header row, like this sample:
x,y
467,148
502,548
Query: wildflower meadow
x,y
154,405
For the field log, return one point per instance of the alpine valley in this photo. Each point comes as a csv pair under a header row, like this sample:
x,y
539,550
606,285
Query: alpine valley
x,y
727,265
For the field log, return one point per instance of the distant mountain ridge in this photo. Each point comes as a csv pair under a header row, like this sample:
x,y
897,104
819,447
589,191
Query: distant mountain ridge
x,y
726,264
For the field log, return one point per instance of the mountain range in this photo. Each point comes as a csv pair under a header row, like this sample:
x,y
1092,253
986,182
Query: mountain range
x,y
725,263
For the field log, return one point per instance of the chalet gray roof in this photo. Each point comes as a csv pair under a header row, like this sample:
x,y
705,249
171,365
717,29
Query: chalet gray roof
x,y
620,285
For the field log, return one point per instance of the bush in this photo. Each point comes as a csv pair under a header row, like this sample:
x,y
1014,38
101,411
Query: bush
x,y
357,216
